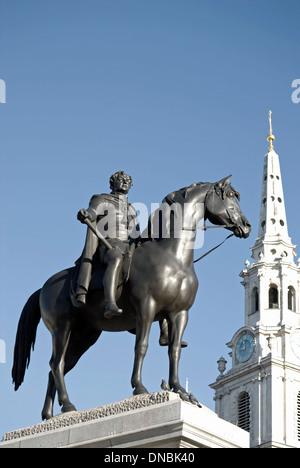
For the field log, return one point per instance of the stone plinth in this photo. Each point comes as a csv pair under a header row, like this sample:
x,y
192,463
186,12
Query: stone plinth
x,y
157,420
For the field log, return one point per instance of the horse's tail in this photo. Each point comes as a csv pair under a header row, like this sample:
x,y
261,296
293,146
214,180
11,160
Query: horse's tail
x,y
25,338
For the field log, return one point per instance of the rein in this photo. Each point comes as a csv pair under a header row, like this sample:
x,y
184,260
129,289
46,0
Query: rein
x,y
214,248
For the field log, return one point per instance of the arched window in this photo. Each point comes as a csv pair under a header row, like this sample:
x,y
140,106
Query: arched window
x,y
273,297
291,298
254,300
244,411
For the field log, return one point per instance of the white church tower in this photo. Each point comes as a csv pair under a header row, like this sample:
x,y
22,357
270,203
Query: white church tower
x,y
261,392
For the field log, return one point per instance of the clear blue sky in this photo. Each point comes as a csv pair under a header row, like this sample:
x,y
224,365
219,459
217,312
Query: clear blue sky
x,y
171,91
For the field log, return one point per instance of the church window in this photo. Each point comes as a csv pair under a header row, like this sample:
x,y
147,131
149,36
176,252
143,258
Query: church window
x,y
244,411
291,298
298,415
273,297
254,301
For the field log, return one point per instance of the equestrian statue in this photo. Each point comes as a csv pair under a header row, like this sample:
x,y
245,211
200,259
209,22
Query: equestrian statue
x,y
125,280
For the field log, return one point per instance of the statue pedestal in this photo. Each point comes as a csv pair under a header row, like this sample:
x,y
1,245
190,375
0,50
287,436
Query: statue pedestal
x,y
157,420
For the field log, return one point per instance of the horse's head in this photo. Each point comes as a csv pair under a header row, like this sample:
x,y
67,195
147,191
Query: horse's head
x,y
222,208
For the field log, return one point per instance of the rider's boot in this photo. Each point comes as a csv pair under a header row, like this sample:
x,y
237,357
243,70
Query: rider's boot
x,y
81,300
110,283
80,297
164,336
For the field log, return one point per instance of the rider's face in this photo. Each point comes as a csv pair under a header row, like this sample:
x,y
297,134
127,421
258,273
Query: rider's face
x,y
122,185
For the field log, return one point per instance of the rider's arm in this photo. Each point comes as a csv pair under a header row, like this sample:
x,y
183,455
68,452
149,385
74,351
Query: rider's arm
x,y
96,207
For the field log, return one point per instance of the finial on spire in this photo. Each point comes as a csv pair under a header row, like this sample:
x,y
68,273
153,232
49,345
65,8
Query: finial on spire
x,y
271,137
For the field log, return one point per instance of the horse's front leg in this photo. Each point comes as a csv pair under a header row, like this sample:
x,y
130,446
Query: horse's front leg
x,y
144,318
177,323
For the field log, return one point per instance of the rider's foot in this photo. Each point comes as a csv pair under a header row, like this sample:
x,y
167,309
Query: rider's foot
x,y
81,299
112,310
164,341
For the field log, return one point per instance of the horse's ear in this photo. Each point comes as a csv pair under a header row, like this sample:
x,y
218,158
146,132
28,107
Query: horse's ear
x,y
223,182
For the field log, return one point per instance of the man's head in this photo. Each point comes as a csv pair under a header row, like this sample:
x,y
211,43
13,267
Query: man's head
x,y
120,182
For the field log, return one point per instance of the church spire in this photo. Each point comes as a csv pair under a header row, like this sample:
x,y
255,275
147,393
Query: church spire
x,y
271,281
272,220
271,137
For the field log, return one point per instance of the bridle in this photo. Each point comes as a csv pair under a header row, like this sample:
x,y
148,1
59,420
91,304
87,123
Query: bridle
x,y
217,191
213,189
204,227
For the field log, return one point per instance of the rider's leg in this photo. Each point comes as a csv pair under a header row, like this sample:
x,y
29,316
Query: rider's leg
x,y
114,261
164,337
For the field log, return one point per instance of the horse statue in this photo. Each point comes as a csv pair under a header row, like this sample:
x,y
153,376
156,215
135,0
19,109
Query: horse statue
x,y
161,285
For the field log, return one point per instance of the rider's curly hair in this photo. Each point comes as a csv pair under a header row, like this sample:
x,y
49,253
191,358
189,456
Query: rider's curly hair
x,y
119,175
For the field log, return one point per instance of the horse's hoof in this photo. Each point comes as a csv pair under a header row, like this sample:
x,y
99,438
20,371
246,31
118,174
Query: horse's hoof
x,y
67,408
140,390
46,416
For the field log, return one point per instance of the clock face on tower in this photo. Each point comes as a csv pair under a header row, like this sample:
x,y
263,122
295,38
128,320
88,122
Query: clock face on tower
x,y
245,347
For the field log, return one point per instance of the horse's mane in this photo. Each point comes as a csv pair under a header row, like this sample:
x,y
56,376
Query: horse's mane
x,y
162,220
182,194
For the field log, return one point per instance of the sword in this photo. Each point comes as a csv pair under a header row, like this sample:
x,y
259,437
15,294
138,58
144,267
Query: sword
x,y
98,234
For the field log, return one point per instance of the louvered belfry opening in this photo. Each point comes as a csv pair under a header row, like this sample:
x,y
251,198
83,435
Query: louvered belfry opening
x,y
244,411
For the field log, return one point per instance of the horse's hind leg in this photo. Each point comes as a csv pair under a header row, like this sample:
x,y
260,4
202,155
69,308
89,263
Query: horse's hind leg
x,y
60,341
47,411
79,342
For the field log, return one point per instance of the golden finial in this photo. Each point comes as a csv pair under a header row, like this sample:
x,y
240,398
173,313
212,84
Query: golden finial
x,y
271,137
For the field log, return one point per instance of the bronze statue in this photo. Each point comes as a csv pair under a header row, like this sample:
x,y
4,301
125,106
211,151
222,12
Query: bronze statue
x,y
109,247
119,215
160,284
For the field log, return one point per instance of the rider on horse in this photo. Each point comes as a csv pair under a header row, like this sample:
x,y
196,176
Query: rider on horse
x,y
115,213
117,219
